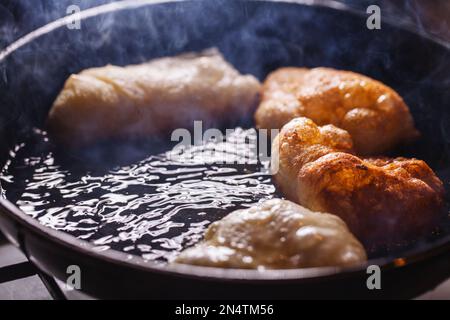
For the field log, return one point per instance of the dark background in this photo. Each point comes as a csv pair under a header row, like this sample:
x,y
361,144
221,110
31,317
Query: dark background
x,y
18,17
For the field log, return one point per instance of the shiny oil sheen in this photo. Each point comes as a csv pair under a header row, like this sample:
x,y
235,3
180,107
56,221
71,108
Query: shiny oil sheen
x,y
152,206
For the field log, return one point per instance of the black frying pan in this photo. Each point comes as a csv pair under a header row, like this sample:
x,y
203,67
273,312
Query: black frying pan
x,y
257,37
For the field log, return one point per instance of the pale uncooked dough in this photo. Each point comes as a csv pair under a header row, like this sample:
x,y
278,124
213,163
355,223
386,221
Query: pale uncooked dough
x,y
151,98
276,234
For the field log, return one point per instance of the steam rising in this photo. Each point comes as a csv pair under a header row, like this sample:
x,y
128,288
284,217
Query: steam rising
x,y
255,36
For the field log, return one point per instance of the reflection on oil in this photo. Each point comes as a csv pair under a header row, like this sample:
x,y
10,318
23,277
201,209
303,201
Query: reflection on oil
x,y
154,207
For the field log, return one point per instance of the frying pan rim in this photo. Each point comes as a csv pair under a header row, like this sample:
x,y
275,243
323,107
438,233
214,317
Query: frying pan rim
x,y
222,274
132,4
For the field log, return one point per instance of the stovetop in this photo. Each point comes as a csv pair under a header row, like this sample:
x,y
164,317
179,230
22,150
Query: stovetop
x,y
20,280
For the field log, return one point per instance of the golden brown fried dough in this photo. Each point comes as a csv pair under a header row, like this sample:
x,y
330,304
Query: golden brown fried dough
x,y
375,115
300,142
276,234
383,201
151,98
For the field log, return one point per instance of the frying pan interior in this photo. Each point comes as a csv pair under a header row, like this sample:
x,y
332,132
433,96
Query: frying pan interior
x,y
255,36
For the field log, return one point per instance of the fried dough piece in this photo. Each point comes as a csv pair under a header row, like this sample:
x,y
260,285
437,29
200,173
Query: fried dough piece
x,y
300,142
151,98
383,201
276,234
375,115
